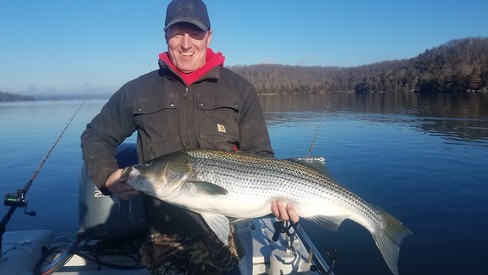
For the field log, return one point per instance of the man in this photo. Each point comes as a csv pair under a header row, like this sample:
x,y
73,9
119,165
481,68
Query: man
x,y
192,101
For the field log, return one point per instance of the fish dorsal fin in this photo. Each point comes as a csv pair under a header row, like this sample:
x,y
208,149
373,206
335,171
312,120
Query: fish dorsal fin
x,y
205,187
331,223
219,224
316,163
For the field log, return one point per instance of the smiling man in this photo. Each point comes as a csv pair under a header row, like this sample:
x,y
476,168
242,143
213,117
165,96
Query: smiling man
x,y
190,102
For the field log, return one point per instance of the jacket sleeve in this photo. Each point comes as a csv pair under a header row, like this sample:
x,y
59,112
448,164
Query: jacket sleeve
x,y
103,134
254,136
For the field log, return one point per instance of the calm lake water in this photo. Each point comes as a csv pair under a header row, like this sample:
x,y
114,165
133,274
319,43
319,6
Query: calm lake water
x,y
424,159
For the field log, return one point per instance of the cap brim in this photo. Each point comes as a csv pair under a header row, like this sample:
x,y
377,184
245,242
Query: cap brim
x,y
192,21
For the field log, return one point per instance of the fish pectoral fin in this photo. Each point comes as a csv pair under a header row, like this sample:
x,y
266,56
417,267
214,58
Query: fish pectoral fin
x,y
206,188
331,223
219,224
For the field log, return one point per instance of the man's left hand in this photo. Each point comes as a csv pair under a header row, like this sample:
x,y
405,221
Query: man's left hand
x,y
284,213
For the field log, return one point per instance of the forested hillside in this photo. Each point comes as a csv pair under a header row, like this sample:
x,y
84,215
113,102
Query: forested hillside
x,y
457,66
14,97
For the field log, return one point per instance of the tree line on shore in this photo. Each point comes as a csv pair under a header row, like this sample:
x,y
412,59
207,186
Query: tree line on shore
x,y
6,96
459,65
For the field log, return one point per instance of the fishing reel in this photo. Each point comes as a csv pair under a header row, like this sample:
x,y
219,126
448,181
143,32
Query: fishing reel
x,y
18,200
287,227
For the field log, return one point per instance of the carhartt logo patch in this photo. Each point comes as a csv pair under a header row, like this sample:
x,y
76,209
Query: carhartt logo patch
x,y
221,128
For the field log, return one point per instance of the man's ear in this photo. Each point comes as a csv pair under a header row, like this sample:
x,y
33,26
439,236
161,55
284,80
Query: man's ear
x,y
166,33
210,32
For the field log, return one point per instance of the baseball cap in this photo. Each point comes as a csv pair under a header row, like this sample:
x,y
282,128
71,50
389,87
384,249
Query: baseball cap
x,y
189,11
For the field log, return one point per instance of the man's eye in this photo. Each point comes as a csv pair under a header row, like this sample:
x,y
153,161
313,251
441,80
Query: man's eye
x,y
197,35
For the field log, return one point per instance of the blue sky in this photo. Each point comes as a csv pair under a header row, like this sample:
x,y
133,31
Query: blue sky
x,y
86,46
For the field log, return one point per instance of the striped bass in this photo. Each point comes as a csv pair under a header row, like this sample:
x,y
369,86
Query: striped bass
x,y
221,184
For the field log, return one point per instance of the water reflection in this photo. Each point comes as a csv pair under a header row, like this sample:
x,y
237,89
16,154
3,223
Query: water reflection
x,y
453,116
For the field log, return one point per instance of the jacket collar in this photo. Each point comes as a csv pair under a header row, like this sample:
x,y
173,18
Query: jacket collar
x,y
213,60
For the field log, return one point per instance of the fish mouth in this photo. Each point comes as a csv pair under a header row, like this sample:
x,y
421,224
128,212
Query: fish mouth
x,y
125,174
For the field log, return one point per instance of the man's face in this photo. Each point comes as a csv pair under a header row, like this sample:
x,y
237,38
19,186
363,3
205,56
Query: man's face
x,y
187,46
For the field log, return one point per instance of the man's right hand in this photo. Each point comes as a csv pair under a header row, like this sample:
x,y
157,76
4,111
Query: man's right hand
x,y
117,187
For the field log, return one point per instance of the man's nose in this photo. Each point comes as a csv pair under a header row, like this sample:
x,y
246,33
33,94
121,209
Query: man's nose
x,y
186,41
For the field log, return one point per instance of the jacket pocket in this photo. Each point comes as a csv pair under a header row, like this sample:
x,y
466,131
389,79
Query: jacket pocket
x,y
218,119
151,106
157,123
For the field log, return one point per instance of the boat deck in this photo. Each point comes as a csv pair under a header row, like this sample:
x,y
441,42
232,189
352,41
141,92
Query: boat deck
x,y
23,249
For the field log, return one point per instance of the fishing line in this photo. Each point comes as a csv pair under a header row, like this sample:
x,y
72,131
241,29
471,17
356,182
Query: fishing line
x,y
17,199
318,130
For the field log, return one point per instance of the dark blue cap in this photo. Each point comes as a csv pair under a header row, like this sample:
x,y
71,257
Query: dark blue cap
x,y
187,11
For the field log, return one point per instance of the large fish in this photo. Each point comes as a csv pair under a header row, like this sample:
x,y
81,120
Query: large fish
x,y
220,185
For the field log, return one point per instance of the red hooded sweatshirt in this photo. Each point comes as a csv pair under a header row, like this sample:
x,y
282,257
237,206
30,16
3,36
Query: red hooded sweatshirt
x,y
212,60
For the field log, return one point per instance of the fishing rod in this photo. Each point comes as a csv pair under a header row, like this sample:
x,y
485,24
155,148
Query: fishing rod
x,y
17,199
313,251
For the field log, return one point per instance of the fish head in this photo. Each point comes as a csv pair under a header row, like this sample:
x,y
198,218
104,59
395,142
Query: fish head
x,y
160,177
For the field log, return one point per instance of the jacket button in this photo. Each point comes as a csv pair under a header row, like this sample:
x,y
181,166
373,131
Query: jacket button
x,y
202,104
139,109
172,104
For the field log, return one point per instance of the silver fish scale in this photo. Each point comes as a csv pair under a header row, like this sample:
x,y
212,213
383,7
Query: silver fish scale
x,y
250,175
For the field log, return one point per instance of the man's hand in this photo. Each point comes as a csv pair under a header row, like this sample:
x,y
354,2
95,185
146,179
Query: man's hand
x,y
284,213
117,187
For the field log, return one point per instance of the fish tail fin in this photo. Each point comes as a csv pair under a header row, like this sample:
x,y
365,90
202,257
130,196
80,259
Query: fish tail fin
x,y
388,237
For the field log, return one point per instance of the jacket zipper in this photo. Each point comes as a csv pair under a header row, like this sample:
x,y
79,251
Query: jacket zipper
x,y
187,123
